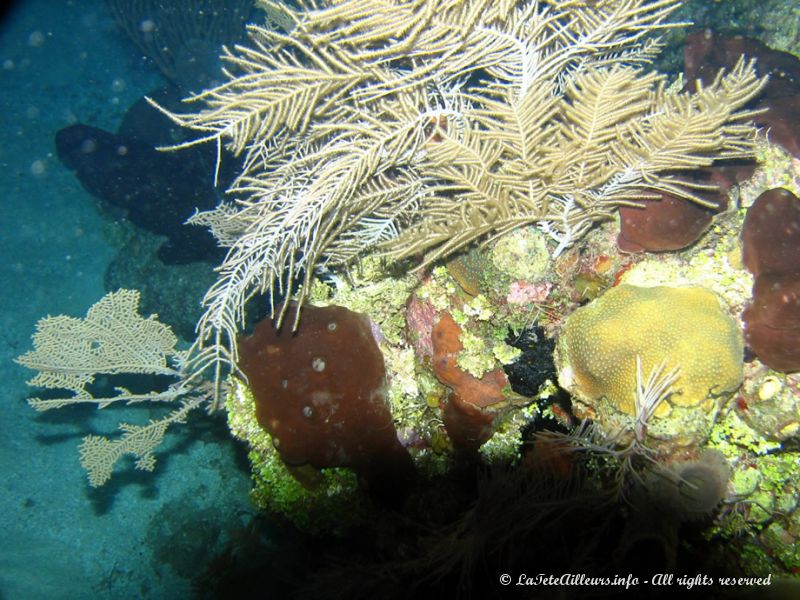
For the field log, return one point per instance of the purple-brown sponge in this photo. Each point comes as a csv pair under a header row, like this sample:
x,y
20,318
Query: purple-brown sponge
x,y
771,252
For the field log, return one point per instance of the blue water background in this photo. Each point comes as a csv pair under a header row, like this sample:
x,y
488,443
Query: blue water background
x,y
143,535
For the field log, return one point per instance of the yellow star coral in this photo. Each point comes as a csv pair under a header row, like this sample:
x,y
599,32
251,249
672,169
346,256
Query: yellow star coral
x,y
682,327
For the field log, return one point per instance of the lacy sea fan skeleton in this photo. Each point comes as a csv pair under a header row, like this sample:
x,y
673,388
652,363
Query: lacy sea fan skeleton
x,y
411,128
420,127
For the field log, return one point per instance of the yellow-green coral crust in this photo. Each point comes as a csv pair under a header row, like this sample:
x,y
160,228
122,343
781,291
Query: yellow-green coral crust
x,y
761,511
522,254
332,506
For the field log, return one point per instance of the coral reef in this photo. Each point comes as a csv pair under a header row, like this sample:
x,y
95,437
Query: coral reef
x,y
459,123
442,187
454,124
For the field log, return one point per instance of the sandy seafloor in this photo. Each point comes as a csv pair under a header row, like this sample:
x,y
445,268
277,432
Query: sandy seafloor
x,y
142,535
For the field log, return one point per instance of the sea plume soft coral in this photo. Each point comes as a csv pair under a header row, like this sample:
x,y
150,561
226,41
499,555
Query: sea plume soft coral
x,y
421,127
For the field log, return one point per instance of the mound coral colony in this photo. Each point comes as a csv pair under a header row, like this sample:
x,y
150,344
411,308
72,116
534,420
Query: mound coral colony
x,y
428,204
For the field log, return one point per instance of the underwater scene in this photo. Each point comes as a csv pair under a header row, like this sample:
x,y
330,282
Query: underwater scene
x,y
392,298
